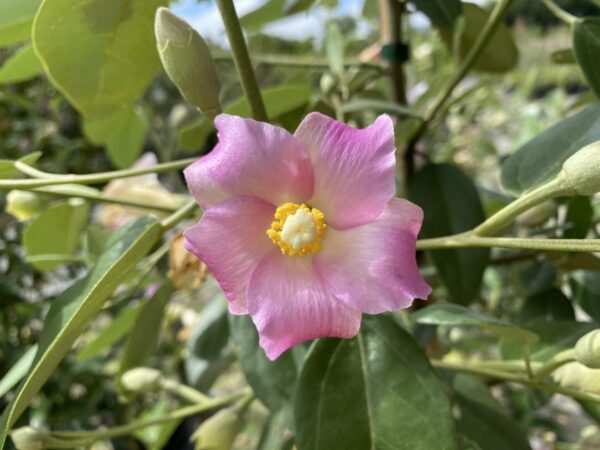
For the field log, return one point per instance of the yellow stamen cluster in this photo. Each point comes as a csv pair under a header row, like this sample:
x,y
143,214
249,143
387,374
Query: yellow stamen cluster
x,y
297,229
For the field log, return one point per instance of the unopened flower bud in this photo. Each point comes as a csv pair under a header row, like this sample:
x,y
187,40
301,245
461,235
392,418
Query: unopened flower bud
x,y
587,349
575,375
187,61
29,438
23,204
219,431
327,83
141,379
581,172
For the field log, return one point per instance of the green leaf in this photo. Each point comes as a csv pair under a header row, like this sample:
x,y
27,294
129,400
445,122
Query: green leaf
x,y
296,6
483,420
208,356
334,46
272,381
157,436
376,391
108,44
550,304
579,218
456,315
278,101
7,166
442,13
585,285
451,205
564,56
378,106
586,44
270,11
276,435
55,231
116,330
70,313
554,337
17,371
537,277
122,132
16,18
21,66
143,340
541,159
499,55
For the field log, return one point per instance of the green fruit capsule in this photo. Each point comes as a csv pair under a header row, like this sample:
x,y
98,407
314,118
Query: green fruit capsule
x,y
219,431
581,172
187,60
29,438
587,349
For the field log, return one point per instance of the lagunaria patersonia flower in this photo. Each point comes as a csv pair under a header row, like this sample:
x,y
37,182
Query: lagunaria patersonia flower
x,y
303,231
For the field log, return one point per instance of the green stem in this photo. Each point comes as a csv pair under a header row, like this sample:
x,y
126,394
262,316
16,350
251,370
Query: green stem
x,y
184,392
506,215
95,178
497,374
561,13
558,360
182,213
241,59
182,413
299,63
467,240
66,191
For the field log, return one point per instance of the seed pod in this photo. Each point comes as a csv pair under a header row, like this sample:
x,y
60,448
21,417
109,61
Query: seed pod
x,y
581,172
23,204
587,349
29,438
575,375
141,379
187,60
219,431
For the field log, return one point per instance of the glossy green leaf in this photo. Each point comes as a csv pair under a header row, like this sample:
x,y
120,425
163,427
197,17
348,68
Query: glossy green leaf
x,y
483,420
586,44
272,381
585,285
550,304
451,205
122,132
109,44
268,12
442,13
18,370
456,315
278,101
56,231
378,106
114,332
541,159
16,18
143,339
21,66
554,337
579,218
208,355
376,391
334,47
499,55
276,434
71,313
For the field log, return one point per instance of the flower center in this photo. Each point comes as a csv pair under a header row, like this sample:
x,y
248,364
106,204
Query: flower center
x,y
297,229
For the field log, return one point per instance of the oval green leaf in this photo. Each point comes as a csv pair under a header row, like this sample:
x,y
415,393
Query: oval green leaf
x,y
442,13
16,18
21,66
376,391
586,44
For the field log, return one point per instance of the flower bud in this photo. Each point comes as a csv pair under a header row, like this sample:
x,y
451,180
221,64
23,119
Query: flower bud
x,y
575,375
327,83
29,438
581,172
587,349
23,204
141,379
219,431
187,61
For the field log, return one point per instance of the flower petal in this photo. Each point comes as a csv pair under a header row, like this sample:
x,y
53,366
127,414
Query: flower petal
x,y
231,240
354,169
373,268
255,159
289,304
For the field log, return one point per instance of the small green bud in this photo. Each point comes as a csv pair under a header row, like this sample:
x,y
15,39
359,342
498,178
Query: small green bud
x,y
219,431
587,349
187,60
575,375
29,438
581,172
327,83
23,204
141,379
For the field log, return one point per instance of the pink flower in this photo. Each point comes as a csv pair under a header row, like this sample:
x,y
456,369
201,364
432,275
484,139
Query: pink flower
x,y
303,231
